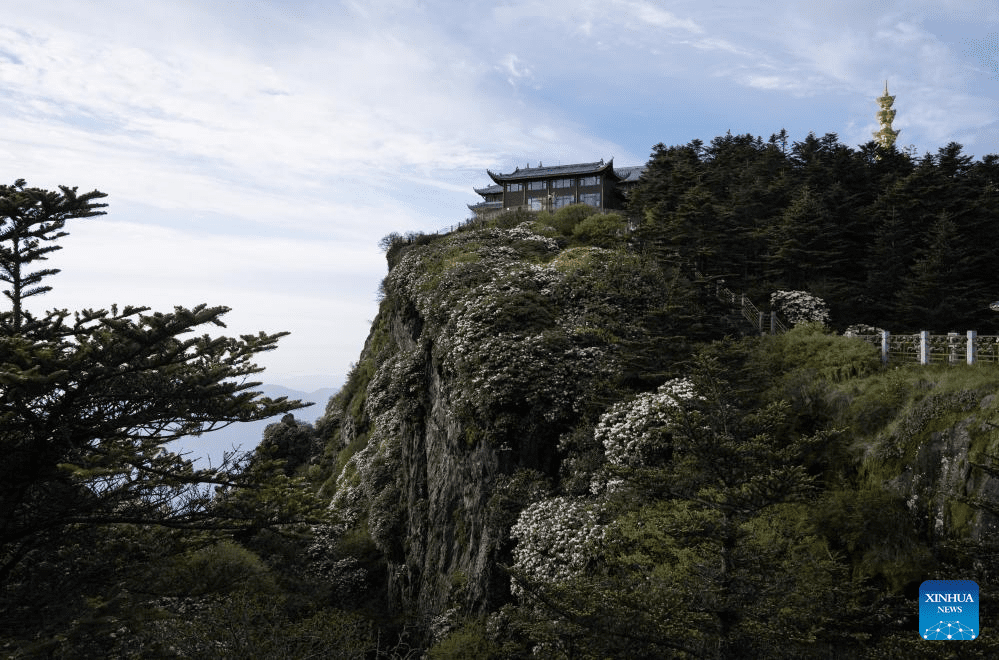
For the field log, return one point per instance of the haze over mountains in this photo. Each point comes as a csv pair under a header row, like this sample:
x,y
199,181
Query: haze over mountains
x,y
246,436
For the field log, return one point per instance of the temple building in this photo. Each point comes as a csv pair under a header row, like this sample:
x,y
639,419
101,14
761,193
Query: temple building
x,y
540,188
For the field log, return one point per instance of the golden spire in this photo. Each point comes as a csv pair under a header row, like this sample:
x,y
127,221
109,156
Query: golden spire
x,y
886,136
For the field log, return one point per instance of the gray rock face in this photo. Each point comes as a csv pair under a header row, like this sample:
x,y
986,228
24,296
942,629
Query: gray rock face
x,y
445,487
947,485
424,486
485,350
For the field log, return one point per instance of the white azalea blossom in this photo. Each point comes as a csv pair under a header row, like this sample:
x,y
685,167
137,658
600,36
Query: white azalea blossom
x,y
556,539
629,428
800,307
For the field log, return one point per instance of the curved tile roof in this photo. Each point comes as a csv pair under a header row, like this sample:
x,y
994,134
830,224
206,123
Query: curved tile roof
x,y
557,170
485,206
629,174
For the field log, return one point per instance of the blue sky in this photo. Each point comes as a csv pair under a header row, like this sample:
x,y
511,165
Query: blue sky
x,y
255,152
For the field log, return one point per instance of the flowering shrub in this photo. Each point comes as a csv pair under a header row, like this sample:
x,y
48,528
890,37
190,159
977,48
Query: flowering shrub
x,y
556,539
799,307
502,345
369,472
398,379
862,329
542,372
502,315
506,329
629,431
429,272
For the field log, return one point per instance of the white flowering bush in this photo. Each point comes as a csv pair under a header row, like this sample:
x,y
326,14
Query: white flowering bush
x,y
399,379
859,329
629,430
540,372
799,307
556,539
502,344
497,307
430,274
369,472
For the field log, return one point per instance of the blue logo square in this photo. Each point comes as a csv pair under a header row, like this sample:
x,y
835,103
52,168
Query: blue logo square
x,y
948,610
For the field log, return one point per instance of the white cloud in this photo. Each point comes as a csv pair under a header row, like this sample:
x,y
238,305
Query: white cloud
x,y
650,14
514,69
323,292
270,135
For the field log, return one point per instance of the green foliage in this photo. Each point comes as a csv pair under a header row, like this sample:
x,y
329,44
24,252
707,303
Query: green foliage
x,y
873,528
468,641
567,218
291,441
89,403
876,400
602,230
512,494
220,568
815,349
510,219
881,238
250,625
32,219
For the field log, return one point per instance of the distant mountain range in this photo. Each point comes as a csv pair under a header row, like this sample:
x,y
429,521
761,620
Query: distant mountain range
x,y
246,436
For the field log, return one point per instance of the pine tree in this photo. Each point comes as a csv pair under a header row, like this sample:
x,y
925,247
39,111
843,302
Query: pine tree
x,y
938,283
886,264
89,403
805,244
34,218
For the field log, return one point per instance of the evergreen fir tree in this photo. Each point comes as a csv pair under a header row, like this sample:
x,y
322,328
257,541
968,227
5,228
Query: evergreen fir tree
x,y
939,282
888,257
31,219
90,402
804,245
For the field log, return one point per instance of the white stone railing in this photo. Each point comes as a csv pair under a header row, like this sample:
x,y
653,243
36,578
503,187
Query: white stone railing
x,y
924,348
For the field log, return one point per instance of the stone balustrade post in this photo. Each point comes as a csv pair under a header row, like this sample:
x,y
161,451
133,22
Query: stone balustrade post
x,y
952,343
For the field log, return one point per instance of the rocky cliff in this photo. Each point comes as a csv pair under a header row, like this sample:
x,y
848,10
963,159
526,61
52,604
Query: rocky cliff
x,y
496,354
491,346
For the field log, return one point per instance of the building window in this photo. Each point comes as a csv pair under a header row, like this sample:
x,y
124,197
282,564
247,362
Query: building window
x,y
589,181
563,183
537,185
514,187
535,203
563,200
593,199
